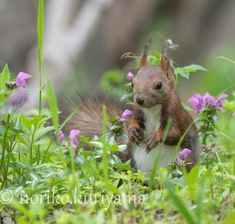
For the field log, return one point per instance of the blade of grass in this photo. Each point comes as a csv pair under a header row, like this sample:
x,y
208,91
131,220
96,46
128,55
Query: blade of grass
x,y
53,107
181,207
226,59
155,166
200,205
153,172
104,132
40,33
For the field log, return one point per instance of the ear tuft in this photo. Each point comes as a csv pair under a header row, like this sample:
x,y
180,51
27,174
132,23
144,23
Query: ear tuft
x,y
165,63
144,59
166,67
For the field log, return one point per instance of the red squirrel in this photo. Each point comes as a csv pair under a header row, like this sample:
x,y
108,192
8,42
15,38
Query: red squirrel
x,y
159,120
158,123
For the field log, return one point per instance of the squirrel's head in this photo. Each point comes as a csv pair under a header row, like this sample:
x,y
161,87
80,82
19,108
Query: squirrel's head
x,y
152,84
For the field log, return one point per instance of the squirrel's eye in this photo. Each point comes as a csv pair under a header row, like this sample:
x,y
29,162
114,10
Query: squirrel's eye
x,y
158,85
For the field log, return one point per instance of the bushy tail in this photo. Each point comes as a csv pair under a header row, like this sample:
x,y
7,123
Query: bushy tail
x,y
88,118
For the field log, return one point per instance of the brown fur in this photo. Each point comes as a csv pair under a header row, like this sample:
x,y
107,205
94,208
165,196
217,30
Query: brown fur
x,y
88,119
144,88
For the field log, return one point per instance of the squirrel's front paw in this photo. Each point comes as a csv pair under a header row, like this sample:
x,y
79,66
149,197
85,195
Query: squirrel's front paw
x,y
136,134
152,141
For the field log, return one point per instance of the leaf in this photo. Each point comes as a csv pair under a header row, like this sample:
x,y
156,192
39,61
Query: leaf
x,y
113,148
53,106
110,187
230,218
123,166
42,131
200,204
154,59
192,178
181,206
26,121
226,59
41,142
97,144
186,70
5,76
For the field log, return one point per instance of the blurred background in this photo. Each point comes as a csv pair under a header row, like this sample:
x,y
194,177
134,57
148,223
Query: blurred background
x,y
86,38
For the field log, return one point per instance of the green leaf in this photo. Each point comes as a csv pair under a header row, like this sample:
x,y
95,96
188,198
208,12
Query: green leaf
x,y
181,206
26,121
226,59
42,131
5,76
192,178
200,204
154,59
186,70
110,187
113,148
230,218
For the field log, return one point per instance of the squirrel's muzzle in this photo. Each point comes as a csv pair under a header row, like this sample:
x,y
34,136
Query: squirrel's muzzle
x,y
139,101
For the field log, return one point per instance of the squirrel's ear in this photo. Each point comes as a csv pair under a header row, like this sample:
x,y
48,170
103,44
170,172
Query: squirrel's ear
x,y
165,63
144,58
166,67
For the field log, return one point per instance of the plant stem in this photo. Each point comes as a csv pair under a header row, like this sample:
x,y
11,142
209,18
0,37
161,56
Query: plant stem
x,y
31,147
40,33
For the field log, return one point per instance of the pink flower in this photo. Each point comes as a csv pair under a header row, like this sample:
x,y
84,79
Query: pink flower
x,y
21,79
130,76
208,100
233,113
18,98
196,101
220,100
61,135
73,135
184,153
125,115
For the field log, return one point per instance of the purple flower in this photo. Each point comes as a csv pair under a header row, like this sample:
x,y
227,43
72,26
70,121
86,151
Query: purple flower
x,y
196,101
130,76
233,113
125,115
208,100
183,154
61,135
21,79
73,135
220,100
18,98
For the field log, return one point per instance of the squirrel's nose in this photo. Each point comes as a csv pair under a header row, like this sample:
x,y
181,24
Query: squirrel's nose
x,y
139,101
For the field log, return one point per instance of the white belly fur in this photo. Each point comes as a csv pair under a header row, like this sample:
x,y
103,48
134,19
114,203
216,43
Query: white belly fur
x,y
164,154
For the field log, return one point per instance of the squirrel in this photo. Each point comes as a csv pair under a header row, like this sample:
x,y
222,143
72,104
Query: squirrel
x,y
158,123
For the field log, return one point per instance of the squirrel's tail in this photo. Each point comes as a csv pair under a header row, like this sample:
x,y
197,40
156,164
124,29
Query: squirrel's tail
x,y
88,118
